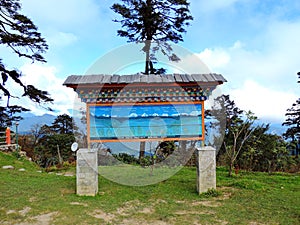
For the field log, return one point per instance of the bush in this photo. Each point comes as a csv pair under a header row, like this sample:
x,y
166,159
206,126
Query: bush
x,y
126,158
211,193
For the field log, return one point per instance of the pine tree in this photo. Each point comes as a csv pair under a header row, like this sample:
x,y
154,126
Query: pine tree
x,y
19,33
63,124
154,23
293,123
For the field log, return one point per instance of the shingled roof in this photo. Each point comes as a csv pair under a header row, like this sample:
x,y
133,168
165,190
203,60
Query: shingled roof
x,y
142,78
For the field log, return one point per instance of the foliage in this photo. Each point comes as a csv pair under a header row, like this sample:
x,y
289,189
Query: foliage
x,y
126,158
19,33
132,160
153,20
63,124
212,193
52,147
239,129
146,161
8,115
247,145
240,133
164,149
268,154
293,123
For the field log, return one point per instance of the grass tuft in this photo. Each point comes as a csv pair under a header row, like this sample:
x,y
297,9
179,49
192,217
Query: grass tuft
x,y
212,193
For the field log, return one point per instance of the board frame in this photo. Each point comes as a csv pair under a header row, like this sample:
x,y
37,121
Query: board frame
x,y
198,138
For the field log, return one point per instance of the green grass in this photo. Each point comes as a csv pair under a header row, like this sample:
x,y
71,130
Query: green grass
x,y
249,198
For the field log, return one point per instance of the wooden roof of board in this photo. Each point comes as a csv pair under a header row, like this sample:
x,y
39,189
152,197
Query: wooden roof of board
x,y
142,78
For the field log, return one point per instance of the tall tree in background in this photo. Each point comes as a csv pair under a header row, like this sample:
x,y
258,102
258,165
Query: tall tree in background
x,y
292,121
53,143
8,115
239,130
18,33
63,124
154,23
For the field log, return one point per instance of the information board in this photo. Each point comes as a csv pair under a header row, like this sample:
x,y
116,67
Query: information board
x,y
139,122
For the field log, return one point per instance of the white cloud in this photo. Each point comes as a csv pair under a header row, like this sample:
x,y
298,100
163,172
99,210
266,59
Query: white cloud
x,y
44,78
217,58
264,102
261,79
191,63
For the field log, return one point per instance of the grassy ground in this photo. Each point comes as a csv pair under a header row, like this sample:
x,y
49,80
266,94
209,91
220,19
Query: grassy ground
x,y
31,197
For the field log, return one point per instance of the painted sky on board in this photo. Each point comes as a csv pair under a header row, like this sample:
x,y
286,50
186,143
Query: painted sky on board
x,y
255,44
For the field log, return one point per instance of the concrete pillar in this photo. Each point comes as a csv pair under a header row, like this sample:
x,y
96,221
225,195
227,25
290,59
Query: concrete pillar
x,y
87,172
206,169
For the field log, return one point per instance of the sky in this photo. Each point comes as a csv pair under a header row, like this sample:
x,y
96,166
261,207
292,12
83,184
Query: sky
x,y
254,44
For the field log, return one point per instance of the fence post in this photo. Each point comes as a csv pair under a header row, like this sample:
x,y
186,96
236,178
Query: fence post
x,y
17,124
7,134
206,169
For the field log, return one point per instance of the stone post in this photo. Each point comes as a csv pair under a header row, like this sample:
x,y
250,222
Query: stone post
x,y
87,172
206,169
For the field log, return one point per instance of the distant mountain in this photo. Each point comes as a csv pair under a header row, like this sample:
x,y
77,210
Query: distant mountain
x,y
275,126
30,120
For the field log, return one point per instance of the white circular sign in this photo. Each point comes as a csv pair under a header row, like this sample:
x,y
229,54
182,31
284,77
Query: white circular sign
x,y
74,147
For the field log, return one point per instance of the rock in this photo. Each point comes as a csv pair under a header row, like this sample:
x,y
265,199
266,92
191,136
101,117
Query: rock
x,y
69,174
9,167
22,170
11,211
22,153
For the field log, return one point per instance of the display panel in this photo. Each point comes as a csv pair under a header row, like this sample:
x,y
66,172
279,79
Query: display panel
x,y
139,122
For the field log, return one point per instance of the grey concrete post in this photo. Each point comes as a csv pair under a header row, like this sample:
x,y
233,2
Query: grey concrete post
x,y
87,172
206,169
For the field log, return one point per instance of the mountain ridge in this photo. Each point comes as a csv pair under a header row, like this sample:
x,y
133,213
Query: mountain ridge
x,y
30,119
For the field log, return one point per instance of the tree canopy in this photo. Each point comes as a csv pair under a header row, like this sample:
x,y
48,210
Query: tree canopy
x,y
153,22
63,124
19,33
292,121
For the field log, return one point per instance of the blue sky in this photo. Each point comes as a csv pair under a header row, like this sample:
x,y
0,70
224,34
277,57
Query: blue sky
x,y
255,44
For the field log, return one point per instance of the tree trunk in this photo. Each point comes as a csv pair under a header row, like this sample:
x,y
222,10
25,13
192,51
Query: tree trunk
x,y
183,146
147,62
59,156
230,168
142,150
